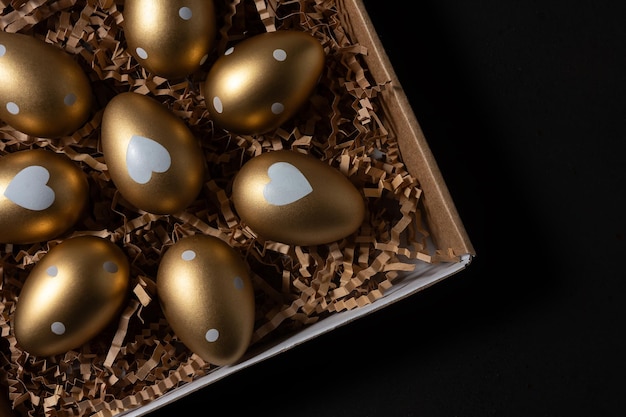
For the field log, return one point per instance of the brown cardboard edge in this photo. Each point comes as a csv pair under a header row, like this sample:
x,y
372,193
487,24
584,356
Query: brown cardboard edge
x,y
443,218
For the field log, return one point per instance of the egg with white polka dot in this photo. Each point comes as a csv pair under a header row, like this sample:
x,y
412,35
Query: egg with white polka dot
x,y
71,295
170,38
206,295
44,91
263,81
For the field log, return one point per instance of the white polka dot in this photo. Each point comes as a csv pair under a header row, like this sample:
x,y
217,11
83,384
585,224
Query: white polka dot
x,y
204,58
3,50
52,271
69,99
141,53
229,51
57,328
110,267
185,13
279,54
278,108
13,108
217,103
212,335
188,255
238,283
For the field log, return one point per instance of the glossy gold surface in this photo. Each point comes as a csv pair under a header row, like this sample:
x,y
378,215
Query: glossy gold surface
x,y
170,38
153,158
294,198
207,297
263,81
42,195
71,295
43,90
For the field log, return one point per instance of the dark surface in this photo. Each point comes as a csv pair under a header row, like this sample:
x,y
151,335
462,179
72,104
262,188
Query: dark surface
x,y
524,106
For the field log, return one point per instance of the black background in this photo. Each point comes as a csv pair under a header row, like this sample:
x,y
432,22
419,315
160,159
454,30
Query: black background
x,y
523,104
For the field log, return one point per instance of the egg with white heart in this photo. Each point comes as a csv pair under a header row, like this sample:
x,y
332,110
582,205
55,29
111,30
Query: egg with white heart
x,y
263,81
42,195
206,294
170,38
153,158
71,295
44,91
295,198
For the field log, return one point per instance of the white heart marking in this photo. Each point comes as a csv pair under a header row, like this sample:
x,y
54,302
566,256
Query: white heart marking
x,y
145,156
287,184
28,189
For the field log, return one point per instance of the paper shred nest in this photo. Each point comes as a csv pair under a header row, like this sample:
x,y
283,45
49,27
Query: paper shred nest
x,y
138,357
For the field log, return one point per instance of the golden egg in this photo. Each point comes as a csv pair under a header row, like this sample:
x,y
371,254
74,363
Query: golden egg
x,y
44,91
42,195
71,295
294,198
263,81
170,38
206,294
153,158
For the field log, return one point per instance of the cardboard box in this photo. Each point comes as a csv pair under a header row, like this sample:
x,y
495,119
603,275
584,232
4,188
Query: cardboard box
x,y
445,228
443,219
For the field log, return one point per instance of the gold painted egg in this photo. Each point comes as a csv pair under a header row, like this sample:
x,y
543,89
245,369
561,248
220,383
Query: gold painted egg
x,y
206,294
263,81
44,91
170,38
153,158
42,195
71,295
295,198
